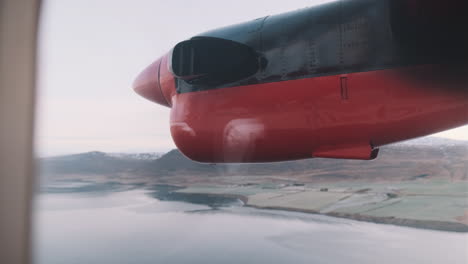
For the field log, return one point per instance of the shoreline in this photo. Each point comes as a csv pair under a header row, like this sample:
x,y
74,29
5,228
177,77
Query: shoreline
x,y
404,222
413,223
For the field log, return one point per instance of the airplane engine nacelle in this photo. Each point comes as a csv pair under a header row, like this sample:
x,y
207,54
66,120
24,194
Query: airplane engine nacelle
x,y
336,81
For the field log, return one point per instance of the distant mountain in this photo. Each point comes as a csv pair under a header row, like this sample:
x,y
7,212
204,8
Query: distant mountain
x,y
94,162
427,157
433,141
137,156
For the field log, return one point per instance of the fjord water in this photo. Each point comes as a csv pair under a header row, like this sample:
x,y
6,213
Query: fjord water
x,y
89,224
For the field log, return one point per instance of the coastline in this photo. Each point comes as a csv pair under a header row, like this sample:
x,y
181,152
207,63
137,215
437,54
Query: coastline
x,y
428,224
414,223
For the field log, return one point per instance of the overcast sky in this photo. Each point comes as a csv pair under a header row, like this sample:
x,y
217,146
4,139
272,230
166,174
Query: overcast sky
x,y
90,51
